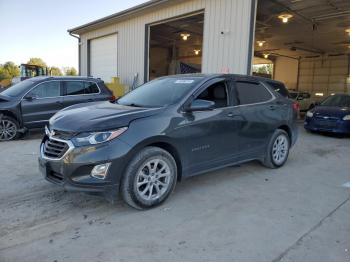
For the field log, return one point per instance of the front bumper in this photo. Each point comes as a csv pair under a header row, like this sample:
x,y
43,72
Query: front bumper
x,y
337,127
72,171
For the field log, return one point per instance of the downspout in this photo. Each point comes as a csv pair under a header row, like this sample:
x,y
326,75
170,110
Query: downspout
x,y
253,10
79,50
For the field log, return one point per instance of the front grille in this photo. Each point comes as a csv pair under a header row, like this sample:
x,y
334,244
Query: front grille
x,y
326,122
54,149
63,135
55,177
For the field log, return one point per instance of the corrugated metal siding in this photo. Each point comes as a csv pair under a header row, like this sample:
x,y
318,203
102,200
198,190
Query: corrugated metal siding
x,y
324,75
220,51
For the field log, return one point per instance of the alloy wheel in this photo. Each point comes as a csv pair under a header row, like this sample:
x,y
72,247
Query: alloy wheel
x,y
280,149
8,130
153,179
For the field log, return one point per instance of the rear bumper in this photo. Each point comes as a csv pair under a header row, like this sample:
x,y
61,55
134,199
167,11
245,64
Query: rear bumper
x,y
338,127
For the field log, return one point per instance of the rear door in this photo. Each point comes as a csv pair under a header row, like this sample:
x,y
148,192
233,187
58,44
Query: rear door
x,y
41,103
80,91
259,115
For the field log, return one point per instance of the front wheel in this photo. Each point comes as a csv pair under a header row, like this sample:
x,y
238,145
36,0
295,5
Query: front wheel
x,y
277,150
149,179
8,129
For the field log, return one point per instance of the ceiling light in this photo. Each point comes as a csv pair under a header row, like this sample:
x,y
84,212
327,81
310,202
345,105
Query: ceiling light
x,y
261,43
185,36
285,17
319,94
348,30
266,56
197,51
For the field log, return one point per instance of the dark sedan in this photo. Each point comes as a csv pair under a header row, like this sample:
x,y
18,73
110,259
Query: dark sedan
x,y
332,115
30,103
168,129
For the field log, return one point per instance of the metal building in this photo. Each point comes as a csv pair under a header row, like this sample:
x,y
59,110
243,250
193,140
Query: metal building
x,y
163,37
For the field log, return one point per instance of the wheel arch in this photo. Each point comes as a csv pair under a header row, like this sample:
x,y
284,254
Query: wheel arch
x,y
9,114
164,143
288,130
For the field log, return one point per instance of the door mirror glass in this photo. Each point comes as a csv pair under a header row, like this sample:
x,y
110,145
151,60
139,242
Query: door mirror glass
x,y
201,105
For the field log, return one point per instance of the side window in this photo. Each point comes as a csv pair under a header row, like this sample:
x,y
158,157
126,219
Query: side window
x,y
216,93
74,88
251,93
46,90
91,88
280,88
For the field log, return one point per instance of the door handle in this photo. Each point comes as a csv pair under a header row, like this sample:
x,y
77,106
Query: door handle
x,y
234,116
272,107
90,100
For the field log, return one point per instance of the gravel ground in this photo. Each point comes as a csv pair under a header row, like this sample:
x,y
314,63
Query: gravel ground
x,y
300,212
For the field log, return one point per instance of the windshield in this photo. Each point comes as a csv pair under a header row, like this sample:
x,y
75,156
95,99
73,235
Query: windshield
x,y
18,89
337,100
160,92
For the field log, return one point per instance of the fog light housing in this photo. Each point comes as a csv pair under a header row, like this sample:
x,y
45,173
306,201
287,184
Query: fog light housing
x,y
100,171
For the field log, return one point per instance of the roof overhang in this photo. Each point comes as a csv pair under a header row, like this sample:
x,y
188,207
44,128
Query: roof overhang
x,y
117,16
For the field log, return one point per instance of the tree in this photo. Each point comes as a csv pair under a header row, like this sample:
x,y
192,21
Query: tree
x,y
55,71
9,70
70,71
36,61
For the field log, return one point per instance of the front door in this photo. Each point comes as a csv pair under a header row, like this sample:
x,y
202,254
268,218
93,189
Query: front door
x,y
41,103
209,137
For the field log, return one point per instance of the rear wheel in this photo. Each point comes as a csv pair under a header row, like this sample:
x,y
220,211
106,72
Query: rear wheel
x,y
149,179
277,150
8,129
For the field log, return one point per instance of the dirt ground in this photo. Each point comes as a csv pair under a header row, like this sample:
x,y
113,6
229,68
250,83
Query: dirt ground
x,y
300,212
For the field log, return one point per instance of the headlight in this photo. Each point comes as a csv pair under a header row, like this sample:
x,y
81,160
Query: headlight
x,y
347,117
309,114
86,139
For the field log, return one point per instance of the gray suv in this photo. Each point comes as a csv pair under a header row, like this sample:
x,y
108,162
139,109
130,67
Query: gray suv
x,y
31,103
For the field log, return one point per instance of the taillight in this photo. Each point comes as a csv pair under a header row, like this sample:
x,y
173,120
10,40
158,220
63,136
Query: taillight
x,y
296,106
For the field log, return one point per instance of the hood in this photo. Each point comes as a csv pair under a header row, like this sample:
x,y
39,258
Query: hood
x,y
331,111
97,116
7,102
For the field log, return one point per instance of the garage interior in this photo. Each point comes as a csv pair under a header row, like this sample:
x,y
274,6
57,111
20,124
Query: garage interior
x,y
305,44
176,46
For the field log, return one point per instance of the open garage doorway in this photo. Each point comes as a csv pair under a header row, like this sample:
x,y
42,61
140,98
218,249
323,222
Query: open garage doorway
x,y
307,42
175,46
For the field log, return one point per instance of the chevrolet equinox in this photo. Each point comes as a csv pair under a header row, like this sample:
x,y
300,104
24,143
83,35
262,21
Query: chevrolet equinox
x,y
165,130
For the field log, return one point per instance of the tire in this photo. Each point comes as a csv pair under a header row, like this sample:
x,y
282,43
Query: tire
x,y
8,129
149,179
277,150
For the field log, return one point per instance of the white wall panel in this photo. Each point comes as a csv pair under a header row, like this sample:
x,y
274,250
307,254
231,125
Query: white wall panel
x,y
104,57
324,75
220,51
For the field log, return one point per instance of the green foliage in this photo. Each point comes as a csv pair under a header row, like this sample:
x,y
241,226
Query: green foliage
x,y
36,61
8,71
263,69
70,71
55,71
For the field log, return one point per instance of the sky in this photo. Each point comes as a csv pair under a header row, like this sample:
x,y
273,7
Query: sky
x,y
38,28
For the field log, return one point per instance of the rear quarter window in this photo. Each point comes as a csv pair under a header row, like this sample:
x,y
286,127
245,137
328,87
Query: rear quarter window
x,y
279,88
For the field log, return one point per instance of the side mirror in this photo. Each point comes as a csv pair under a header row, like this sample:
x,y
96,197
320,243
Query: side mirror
x,y
201,105
29,98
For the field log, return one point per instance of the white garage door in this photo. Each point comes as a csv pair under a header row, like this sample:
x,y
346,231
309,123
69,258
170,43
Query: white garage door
x,y
103,57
